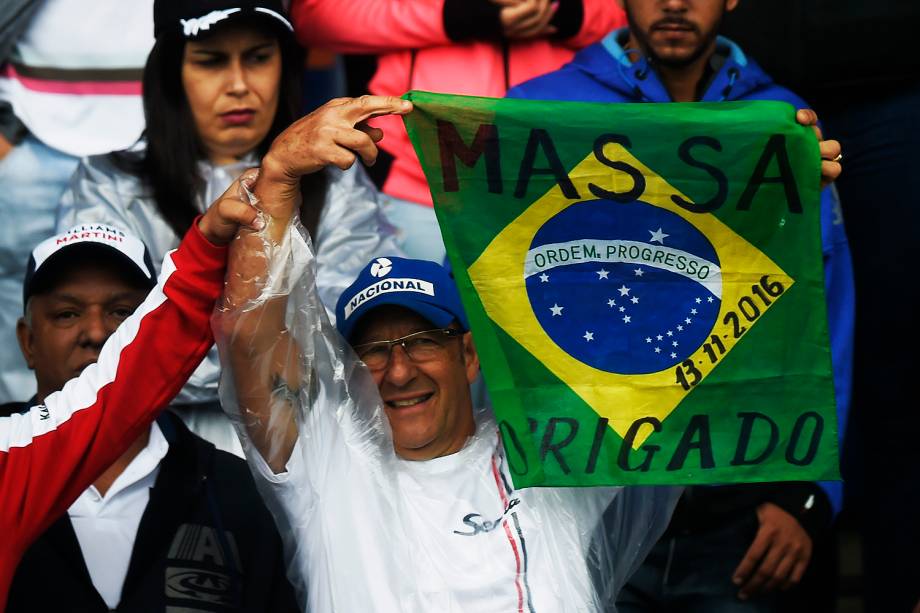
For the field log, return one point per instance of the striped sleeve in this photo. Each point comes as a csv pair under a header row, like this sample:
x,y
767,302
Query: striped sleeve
x,y
52,453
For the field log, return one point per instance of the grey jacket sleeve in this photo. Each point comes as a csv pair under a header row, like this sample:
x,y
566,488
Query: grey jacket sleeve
x,y
100,192
352,230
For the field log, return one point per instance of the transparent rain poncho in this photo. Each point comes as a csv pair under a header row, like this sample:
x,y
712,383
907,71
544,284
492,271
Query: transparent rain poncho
x,y
367,531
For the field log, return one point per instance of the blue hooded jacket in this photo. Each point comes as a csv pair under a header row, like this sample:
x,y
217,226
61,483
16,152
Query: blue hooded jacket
x,y
604,73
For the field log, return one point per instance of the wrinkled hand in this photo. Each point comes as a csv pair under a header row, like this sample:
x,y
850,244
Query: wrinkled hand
x,y
830,149
225,217
778,556
522,19
334,134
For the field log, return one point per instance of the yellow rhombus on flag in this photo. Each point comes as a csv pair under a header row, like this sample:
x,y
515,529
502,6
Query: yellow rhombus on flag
x,y
499,276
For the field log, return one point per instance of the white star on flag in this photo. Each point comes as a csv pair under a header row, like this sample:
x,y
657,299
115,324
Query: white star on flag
x,y
624,291
674,343
639,272
601,274
544,278
670,333
658,236
657,349
556,309
673,355
634,300
659,337
688,321
622,308
626,319
648,339
709,299
589,336
680,328
693,311
698,301
611,302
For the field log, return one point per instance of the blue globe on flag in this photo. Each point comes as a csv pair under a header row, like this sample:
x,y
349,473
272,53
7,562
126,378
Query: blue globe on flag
x,y
625,288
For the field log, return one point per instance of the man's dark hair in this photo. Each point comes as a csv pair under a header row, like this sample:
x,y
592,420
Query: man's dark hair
x,y
169,164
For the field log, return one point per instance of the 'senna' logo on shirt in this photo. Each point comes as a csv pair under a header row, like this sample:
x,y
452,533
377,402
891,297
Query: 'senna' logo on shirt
x,y
479,526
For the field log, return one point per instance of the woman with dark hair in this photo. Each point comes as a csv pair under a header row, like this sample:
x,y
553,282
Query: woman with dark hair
x,y
222,81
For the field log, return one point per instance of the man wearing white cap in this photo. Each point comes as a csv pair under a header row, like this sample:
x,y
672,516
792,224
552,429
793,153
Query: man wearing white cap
x,y
52,452
173,522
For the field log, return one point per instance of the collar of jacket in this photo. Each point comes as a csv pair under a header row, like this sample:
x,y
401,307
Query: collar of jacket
x,y
638,81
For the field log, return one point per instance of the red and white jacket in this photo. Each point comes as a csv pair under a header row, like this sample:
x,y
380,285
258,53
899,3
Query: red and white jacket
x,y
49,455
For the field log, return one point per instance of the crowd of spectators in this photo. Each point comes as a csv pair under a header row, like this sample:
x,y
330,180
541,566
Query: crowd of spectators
x,y
126,128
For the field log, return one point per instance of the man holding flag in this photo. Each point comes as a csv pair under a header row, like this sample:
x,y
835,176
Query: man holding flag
x,y
392,491
746,539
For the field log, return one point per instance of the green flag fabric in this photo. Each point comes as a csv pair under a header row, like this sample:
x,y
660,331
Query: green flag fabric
x,y
644,284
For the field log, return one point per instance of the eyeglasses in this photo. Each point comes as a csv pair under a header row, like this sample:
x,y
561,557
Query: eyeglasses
x,y
419,347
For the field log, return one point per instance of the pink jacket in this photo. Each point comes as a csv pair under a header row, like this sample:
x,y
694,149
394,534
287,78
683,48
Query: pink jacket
x,y
416,53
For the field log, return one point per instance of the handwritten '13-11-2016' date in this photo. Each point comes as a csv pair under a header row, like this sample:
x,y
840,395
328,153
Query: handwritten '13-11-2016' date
x,y
749,308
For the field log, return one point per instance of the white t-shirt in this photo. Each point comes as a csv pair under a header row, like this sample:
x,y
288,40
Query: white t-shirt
x,y
449,534
106,526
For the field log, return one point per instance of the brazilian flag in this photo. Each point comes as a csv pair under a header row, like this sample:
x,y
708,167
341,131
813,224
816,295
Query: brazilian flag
x,y
644,284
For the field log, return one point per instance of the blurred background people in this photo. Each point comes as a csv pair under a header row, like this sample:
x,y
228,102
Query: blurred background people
x,y
222,81
70,85
857,63
473,47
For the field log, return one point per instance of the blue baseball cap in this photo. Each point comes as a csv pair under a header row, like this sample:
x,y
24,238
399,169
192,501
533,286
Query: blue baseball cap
x,y
419,285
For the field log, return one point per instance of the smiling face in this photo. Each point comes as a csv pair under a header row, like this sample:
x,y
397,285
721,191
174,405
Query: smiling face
x,y
428,404
675,33
68,324
231,81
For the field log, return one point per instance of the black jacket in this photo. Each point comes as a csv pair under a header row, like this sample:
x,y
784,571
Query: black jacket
x,y
205,543
705,508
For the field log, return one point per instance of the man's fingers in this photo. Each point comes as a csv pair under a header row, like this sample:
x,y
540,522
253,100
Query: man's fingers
x,y
343,158
366,107
358,142
223,219
753,555
829,149
808,117
762,574
830,161
780,576
376,134
236,212
795,577
830,171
